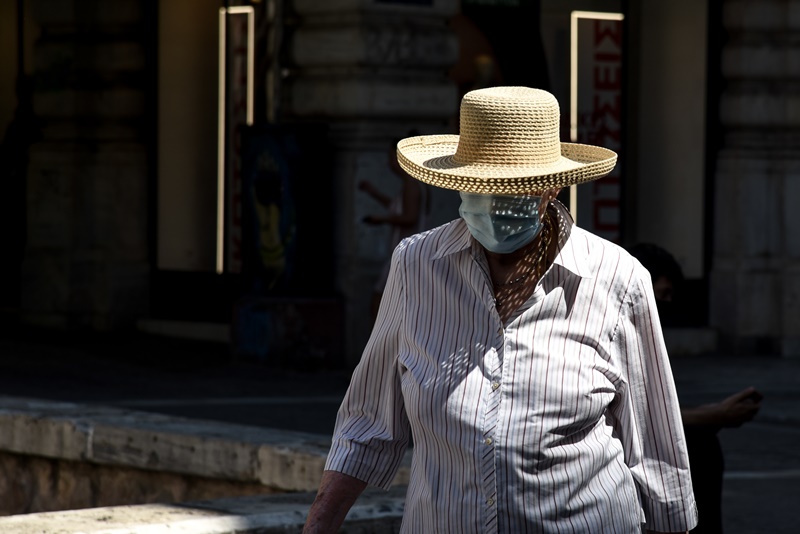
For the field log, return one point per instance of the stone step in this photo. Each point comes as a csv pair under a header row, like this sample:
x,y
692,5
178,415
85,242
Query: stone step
x,y
60,455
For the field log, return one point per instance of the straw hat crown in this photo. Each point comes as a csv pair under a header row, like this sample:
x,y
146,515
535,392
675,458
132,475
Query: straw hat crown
x,y
509,126
508,144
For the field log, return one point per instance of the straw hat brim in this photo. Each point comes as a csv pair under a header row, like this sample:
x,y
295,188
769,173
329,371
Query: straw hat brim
x,y
430,159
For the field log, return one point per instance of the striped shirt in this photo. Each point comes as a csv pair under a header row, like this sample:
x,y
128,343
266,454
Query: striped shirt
x,y
563,420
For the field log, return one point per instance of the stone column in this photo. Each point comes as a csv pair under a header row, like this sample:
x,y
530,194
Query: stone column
x,y
372,70
86,262
755,279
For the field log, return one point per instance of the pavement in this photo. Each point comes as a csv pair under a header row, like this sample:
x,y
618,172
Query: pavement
x,y
201,380
165,375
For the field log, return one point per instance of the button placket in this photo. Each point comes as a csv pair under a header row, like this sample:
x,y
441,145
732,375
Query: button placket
x,y
494,368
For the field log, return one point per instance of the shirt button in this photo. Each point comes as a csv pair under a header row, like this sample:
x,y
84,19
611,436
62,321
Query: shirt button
x,y
490,502
488,441
495,385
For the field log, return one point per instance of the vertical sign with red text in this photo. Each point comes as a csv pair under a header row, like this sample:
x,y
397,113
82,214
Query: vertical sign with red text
x,y
599,119
235,119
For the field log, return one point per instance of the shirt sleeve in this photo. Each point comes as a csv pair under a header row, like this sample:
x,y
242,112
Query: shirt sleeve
x,y
372,430
647,415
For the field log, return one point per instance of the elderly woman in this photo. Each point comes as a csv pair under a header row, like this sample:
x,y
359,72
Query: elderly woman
x,y
522,353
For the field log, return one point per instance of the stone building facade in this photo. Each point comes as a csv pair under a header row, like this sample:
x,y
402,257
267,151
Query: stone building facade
x,y
86,261
755,282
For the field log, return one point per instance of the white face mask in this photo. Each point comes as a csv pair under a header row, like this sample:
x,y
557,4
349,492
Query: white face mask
x,y
501,223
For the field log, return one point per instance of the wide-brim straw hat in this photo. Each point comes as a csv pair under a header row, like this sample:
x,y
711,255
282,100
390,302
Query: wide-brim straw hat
x,y
508,144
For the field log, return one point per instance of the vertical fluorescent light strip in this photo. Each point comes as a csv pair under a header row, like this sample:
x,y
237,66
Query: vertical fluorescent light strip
x,y
221,115
573,85
220,260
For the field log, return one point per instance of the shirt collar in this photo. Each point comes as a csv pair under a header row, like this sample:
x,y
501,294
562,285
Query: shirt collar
x,y
456,240
573,252
574,247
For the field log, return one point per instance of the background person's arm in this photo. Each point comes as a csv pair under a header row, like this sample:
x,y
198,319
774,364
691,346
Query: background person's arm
x,y
731,412
336,495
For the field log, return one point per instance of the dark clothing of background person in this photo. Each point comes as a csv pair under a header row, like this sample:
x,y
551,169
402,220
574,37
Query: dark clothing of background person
x,y
707,463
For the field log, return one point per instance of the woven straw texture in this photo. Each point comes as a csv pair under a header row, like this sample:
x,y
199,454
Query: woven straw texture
x,y
508,144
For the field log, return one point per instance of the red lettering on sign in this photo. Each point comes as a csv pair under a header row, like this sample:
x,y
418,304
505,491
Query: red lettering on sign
x,y
600,117
607,77
611,57
608,29
236,118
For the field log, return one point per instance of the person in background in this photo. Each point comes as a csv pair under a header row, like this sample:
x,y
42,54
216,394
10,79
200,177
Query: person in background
x,y
406,214
518,350
701,423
